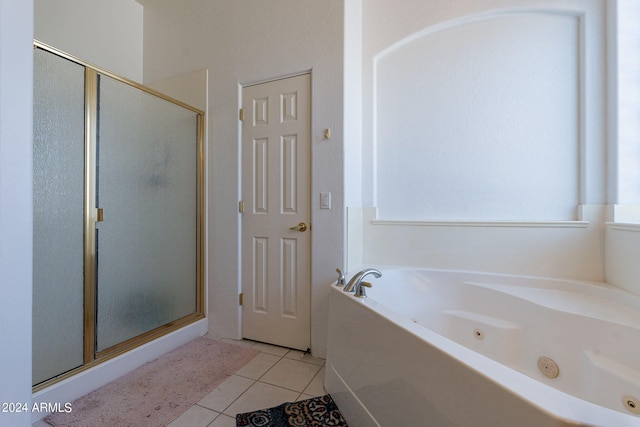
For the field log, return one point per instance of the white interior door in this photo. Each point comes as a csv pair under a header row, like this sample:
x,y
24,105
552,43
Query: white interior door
x,y
276,233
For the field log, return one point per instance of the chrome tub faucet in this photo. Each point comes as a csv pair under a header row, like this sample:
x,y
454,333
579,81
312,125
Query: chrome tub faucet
x,y
357,286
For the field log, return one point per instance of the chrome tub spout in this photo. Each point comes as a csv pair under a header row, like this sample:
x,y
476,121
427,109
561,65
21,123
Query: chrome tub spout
x,y
357,286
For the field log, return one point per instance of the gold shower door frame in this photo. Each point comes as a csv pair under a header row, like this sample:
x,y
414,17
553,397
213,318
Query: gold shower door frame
x,y
91,356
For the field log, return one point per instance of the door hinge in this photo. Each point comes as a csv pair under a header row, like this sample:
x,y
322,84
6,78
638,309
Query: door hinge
x,y
241,206
241,114
240,299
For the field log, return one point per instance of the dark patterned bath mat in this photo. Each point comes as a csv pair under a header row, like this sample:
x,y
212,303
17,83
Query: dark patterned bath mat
x,y
316,412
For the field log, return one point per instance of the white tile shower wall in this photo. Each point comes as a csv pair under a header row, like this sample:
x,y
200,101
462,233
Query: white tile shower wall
x,y
571,251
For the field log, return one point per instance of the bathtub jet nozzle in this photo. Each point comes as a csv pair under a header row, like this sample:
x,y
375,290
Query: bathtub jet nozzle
x,y
548,367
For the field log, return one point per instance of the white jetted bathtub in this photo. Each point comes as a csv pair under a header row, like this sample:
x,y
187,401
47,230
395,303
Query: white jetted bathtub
x,y
448,348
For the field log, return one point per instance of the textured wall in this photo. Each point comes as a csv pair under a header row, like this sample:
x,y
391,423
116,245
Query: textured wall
x,y
446,136
453,91
242,43
16,106
107,34
480,119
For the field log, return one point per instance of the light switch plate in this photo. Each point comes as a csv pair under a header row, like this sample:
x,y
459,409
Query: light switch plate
x,y
325,200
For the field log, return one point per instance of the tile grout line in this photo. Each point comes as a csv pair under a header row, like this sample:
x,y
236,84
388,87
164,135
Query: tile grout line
x,y
258,380
254,381
290,389
239,396
300,393
220,414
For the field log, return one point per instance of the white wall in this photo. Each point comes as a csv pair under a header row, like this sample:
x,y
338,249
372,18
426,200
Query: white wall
x,y
442,125
353,131
627,103
623,236
16,248
243,43
353,102
444,156
190,88
104,33
479,119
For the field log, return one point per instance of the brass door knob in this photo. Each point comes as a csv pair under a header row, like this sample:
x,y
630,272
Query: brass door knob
x,y
300,227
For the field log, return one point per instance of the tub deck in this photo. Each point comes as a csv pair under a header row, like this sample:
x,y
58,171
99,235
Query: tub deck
x,y
561,352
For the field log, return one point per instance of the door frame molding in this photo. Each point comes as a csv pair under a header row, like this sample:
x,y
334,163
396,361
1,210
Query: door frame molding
x,y
241,273
269,80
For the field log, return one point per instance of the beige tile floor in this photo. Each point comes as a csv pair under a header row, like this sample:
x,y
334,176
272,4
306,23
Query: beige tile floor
x,y
274,376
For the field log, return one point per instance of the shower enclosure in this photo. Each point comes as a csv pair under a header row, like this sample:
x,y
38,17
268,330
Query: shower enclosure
x,y
118,215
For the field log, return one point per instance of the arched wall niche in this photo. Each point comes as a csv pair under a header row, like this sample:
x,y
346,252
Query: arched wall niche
x,y
492,116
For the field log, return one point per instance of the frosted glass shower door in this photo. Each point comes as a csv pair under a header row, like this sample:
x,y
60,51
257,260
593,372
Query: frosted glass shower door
x,y
147,176
58,215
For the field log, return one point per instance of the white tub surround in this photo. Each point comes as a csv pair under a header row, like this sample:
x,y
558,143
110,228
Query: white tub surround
x,y
447,348
622,249
545,248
